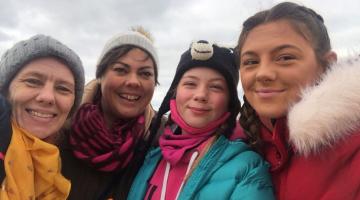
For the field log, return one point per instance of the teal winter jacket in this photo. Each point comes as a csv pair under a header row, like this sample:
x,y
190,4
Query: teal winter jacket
x,y
229,170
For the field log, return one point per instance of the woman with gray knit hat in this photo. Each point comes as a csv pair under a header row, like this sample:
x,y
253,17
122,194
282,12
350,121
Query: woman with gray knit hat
x,y
43,82
109,133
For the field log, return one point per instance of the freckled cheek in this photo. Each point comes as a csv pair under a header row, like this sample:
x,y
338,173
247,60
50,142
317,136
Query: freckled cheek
x,y
179,102
180,105
221,104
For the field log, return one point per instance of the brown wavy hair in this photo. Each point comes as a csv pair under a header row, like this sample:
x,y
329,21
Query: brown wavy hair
x,y
304,21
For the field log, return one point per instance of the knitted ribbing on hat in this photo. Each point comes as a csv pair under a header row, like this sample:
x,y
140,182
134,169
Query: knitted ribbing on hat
x,y
131,38
102,148
173,147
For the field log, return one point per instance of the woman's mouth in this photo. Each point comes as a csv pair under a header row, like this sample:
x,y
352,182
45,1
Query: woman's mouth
x,y
40,114
268,93
129,97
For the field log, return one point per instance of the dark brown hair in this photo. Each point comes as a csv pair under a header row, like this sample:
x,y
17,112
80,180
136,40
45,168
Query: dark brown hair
x,y
308,24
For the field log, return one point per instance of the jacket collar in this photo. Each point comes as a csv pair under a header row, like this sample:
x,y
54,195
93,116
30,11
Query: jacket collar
x,y
327,112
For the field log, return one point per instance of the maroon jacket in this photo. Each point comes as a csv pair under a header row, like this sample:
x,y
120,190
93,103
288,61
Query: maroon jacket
x,y
315,152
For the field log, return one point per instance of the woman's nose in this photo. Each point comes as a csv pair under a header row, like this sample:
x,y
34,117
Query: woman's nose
x,y
132,80
265,72
46,94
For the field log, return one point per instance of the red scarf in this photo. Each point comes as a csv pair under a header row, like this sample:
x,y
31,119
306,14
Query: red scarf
x,y
174,146
106,150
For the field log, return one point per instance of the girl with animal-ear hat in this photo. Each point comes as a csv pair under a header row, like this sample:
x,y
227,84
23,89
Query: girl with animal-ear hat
x,y
196,159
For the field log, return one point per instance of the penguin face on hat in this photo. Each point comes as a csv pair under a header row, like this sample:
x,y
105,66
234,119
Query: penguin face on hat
x,y
201,50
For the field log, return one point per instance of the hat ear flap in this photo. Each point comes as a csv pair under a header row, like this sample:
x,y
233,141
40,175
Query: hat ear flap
x,y
164,108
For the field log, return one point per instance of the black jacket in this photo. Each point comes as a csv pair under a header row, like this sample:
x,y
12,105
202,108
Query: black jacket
x,y
5,131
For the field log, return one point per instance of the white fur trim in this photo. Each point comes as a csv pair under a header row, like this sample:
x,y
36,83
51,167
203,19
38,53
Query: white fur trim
x,y
327,112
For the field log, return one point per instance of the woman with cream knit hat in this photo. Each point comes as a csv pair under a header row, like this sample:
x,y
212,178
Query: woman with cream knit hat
x,y
109,133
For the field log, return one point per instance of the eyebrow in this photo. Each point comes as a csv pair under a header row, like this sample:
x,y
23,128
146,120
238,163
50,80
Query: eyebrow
x,y
213,79
128,66
278,48
34,73
285,46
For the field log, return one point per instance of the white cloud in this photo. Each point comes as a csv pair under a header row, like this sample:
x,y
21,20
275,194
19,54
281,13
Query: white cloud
x,y
85,25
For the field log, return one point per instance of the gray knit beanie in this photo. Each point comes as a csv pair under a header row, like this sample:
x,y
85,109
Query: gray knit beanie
x,y
38,46
128,38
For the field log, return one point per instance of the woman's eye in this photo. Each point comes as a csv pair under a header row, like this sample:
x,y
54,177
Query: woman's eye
x,y
189,84
248,62
217,87
33,82
146,74
286,57
64,89
120,70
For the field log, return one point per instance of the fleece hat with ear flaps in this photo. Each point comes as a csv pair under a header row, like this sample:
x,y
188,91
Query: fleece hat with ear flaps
x,y
205,54
40,46
133,38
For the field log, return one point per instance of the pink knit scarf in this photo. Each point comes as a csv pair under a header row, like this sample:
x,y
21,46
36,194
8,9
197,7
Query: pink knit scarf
x,y
105,149
174,146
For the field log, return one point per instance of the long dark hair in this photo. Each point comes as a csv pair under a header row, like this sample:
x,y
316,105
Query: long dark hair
x,y
308,24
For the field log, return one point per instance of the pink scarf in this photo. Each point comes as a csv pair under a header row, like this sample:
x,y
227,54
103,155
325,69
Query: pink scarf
x,y
174,146
106,150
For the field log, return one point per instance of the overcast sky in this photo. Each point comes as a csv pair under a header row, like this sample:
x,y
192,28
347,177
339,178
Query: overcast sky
x,y
85,25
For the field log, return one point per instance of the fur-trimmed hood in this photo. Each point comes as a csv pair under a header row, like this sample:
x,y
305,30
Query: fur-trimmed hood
x,y
327,112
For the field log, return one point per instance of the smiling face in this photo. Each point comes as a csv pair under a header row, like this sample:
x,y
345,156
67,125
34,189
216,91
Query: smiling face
x,y
202,96
276,63
127,86
42,95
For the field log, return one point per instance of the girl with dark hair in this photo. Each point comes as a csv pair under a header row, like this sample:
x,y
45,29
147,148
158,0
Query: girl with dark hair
x,y
196,159
300,109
